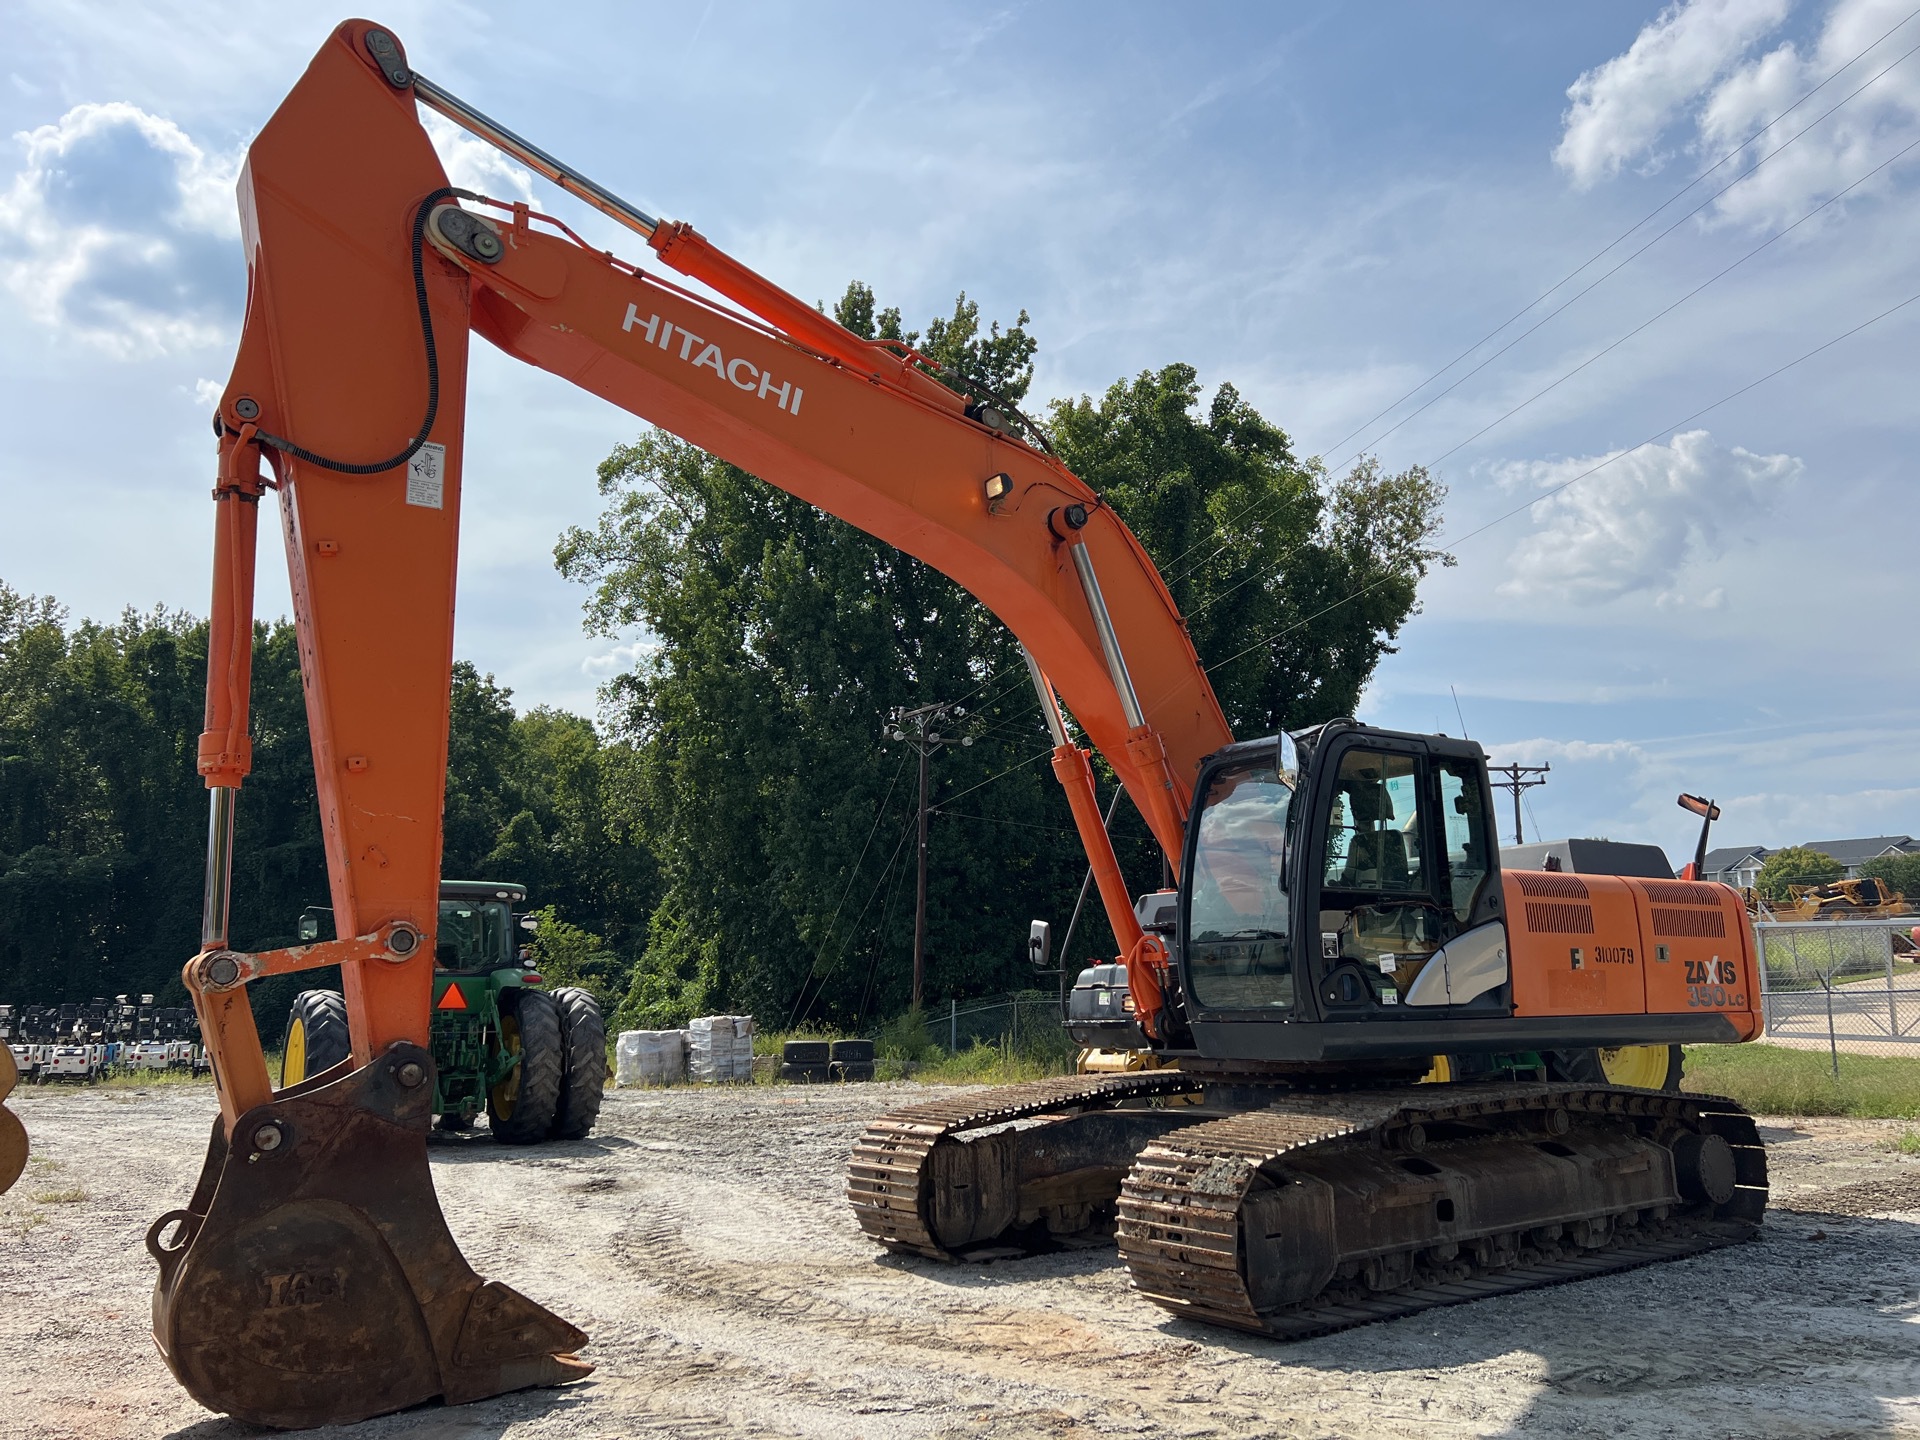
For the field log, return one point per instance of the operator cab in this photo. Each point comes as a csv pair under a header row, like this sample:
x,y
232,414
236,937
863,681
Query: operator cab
x,y
478,930
1324,874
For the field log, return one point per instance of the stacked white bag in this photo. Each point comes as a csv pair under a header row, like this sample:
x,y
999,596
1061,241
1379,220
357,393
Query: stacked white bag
x,y
720,1049
650,1057
743,1048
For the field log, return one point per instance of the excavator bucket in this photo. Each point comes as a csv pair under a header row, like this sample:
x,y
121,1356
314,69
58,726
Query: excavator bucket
x,y
312,1280
13,1135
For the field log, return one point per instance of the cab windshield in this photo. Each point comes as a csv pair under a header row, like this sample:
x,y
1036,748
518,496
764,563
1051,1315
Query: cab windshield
x,y
474,935
1237,952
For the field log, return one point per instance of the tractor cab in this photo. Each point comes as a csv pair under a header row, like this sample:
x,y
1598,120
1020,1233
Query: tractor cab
x,y
479,928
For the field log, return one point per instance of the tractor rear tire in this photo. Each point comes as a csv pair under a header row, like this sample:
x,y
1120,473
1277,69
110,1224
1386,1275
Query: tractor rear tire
x,y
1648,1067
520,1108
317,1037
583,1039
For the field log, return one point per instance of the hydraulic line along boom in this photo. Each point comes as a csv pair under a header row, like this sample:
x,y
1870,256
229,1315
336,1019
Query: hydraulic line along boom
x,y
366,276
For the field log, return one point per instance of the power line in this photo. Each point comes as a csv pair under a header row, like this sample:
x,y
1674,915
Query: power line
x,y
852,875
1832,76
1547,494
1748,174
1444,542
854,929
1537,830
1258,504
886,909
1001,775
1831,199
999,820
1451,542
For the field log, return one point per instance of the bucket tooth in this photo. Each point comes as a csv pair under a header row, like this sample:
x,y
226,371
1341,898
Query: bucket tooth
x,y
312,1279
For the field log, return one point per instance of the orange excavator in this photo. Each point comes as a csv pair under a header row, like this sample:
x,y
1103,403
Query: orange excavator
x,y
1341,927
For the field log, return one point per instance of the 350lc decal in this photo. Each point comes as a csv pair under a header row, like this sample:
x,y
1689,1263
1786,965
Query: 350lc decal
x,y
1707,982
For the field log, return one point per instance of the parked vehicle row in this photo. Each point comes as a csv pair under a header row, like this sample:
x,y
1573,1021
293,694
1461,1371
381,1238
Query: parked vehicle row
x,y
41,1062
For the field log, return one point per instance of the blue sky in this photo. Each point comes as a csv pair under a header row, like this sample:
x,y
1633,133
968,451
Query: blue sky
x,y
1323,204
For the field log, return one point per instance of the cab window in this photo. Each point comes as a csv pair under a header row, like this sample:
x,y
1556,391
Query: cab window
x,y
1373,830
473,935
1469,842
1237,955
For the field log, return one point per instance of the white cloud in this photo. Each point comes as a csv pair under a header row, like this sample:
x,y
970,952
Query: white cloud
x,y
1637,523
1622,108
1580,752
1691,63
620,659
121,231
1866,130
472,164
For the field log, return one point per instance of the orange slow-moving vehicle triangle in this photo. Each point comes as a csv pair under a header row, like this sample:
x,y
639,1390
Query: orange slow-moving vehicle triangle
x,y
452,1000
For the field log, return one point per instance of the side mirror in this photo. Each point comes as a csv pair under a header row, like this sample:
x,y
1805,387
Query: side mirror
x,y
1039,944
1287,760
309,928
1705,809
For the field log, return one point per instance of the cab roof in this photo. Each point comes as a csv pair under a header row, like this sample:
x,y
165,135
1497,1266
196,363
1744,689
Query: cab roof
x,y
507,890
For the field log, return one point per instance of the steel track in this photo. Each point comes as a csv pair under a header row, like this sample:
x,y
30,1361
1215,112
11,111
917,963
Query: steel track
x,y
1180,1233
1180,1206
886,1176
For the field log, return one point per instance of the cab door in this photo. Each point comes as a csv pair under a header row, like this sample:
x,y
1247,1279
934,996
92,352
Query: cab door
x,y
1400,861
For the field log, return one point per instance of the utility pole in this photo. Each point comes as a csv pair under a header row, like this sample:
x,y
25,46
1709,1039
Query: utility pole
x,y
920,729
1516,782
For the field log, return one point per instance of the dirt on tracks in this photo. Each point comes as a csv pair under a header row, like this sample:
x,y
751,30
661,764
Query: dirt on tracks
x,y
700,1237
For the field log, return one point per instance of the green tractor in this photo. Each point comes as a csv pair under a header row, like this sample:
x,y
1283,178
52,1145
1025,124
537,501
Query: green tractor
x,y
534,1059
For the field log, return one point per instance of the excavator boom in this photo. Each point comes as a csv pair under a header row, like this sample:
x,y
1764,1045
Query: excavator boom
x,y
367,272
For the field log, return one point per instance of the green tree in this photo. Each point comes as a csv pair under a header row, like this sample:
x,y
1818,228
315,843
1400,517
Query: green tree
x,y
103,816
539,799
1899,872
784,636
568,955
1795,865
1293,584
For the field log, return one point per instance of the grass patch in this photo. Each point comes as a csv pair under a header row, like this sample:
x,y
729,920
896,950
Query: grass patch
x,y
1907,1144
1772,1080
160,1079
1002,1064
70,1195
904,1048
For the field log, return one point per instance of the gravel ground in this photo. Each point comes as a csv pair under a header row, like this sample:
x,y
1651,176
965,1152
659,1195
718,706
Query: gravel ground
x,y
700,1237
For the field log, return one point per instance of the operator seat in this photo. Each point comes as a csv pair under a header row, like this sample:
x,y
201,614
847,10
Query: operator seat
x,y
1376,855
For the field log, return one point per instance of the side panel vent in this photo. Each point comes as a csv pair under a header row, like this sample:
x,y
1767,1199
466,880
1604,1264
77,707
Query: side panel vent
x,y
1694,924
1680,892
1551,887
1551,919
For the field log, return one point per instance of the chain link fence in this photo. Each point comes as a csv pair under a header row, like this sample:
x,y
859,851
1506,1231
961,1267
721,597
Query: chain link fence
x,y
1849,986
1024,1021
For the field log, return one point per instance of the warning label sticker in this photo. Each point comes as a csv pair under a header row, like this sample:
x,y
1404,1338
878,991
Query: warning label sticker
x,y
426,476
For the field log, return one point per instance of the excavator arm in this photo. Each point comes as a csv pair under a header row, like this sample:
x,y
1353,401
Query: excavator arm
x,y
314,1231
